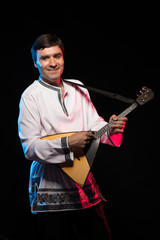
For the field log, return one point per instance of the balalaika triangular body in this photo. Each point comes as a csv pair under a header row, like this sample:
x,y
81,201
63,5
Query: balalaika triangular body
x,y
79,168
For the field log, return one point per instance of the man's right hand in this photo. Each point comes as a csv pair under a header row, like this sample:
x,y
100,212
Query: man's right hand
x,y
80,140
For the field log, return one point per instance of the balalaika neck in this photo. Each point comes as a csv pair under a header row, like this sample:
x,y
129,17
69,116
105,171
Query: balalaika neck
x,y
108,125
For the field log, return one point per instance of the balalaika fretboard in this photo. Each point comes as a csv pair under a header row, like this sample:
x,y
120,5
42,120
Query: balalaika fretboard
x,y
109,125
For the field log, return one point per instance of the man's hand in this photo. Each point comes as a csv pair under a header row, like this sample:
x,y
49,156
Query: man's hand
x,y
80,140
118,125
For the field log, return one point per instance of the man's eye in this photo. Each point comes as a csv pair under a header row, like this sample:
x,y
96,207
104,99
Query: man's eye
x,y
44,58
57,55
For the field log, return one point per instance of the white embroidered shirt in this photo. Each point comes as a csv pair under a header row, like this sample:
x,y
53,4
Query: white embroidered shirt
x,y
43,112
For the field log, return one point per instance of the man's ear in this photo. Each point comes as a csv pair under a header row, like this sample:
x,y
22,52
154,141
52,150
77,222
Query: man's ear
x,y
35,64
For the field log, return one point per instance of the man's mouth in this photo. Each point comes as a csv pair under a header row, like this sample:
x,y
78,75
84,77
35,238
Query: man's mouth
x,y
53,69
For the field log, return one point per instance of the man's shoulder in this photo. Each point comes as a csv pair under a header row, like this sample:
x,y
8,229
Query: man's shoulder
x,y
31,89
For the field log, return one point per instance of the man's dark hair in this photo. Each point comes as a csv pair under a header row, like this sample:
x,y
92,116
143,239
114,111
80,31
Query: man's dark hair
x,y
45,41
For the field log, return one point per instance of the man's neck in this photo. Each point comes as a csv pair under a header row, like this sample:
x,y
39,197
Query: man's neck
x,y
56,83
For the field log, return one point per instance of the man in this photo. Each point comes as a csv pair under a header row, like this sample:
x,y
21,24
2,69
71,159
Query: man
x,y
51,106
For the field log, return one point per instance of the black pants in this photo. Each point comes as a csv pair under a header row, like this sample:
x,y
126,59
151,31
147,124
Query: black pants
x,y
84,224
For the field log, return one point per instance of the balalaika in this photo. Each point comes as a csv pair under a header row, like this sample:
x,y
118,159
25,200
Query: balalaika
x,y
79,168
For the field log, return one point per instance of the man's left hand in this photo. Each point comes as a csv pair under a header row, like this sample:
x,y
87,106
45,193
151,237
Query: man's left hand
x,y
118,125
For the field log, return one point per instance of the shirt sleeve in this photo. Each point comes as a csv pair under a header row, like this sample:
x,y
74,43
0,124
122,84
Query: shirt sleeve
x,y
29,128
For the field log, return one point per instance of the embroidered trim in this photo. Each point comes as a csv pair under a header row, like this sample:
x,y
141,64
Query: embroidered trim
x,y
65,148
49,199
58,199
47,85
58,92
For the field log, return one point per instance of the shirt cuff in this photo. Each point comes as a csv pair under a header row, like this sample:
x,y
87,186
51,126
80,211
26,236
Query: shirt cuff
x,y
115,139
69,156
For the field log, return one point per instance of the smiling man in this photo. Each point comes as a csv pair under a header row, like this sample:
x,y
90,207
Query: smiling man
x,y
51,106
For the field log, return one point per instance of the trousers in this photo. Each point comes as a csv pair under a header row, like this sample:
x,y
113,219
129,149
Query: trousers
x,y
86,224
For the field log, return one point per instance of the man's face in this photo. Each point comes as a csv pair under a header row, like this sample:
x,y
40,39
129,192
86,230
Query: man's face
x,y
50,64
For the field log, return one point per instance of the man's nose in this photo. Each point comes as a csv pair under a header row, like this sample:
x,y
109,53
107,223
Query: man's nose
x,y
52,62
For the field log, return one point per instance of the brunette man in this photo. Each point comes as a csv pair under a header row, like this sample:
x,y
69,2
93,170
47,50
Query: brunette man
x,y
51,106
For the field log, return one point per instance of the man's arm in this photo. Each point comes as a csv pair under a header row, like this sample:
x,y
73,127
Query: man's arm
x,y
29,126
81,139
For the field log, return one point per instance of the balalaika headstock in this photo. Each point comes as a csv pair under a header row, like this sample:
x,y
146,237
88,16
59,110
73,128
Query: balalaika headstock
x,y
146,95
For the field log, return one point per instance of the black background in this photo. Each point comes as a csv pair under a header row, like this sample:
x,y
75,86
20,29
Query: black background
x,y
114,48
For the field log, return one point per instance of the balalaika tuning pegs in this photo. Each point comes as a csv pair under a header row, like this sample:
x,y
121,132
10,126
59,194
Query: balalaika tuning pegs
x,y
144,88
146,94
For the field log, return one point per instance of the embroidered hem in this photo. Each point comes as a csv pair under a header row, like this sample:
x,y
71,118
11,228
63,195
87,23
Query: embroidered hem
x,y
48,199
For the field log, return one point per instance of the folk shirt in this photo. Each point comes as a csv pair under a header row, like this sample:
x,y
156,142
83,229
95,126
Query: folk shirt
x,y
43,112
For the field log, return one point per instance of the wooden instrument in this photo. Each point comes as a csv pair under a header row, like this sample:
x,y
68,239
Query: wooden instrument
x,y
79,168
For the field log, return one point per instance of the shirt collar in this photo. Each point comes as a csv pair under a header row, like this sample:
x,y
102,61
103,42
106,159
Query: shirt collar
x,y
58,89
